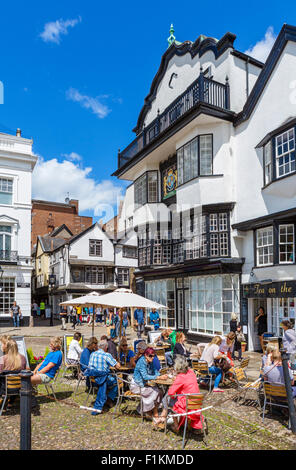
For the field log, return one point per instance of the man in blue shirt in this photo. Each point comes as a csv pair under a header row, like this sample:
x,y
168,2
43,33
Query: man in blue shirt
x,y
91,346
139,316
99,367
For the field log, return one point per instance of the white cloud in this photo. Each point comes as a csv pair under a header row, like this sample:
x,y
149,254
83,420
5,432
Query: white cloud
x,y
73,156
52,180
98,108
54,29
262,48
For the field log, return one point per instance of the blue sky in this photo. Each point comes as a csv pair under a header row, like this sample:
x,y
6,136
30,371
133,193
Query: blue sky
x,y
75,75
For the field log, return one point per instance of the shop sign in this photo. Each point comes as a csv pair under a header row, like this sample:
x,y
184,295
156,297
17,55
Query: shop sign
x,y
23,284
272,289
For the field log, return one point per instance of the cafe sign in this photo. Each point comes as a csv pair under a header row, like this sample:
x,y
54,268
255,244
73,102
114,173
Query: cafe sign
x,y
272,289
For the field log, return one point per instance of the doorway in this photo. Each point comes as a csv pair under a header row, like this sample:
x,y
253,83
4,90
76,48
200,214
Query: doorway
x,y
182,304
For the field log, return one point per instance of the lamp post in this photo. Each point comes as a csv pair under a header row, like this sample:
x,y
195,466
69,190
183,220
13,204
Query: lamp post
x,y
51,281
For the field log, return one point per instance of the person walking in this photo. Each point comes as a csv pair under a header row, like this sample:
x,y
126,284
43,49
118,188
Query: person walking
x,y
42,309
34,309
15,313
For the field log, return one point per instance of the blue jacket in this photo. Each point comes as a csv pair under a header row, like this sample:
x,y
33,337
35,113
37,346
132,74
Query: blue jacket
x,y
144,372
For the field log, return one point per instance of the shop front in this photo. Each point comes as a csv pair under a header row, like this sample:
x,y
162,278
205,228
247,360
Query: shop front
x,y
278,299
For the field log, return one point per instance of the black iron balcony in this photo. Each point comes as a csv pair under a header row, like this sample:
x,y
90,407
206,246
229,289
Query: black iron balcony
x,y
8,256
202,90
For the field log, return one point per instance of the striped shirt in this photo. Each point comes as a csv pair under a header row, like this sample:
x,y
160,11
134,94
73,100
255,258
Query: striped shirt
x,y
101,361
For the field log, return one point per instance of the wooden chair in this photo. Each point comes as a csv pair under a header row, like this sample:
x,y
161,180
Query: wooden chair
x,y
164,371
123,393
244,363
91,390
12,385
274,395
244,385
201,370
194,402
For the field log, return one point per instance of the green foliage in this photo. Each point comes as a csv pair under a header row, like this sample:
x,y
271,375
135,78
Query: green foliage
x,y
30,355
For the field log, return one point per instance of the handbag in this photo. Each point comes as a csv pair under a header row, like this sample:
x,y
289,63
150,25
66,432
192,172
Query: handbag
x,y
240,336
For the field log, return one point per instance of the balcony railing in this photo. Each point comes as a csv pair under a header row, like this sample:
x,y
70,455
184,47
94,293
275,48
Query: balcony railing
x,y
202,90
9,256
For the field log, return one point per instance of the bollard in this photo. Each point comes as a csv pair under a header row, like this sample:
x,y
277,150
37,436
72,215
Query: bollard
x,y
25,410
288,386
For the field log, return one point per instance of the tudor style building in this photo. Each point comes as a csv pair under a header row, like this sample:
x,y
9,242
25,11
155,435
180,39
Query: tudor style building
x,y
212,197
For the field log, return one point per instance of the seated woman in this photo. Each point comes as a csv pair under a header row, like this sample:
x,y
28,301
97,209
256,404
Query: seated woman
x,y
75,350
46,371
185,382
126,355
227,345
11,361
210,353
179,348
289,337
151,396
273,370
141,347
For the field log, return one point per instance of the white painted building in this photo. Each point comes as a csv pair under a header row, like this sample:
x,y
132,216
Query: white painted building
x,y
212,214
17,162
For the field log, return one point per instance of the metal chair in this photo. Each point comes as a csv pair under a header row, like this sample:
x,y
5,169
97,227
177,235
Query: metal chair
x,y
244,385
274,395
12,385
201,369
81,377
49,386
124,393
194,402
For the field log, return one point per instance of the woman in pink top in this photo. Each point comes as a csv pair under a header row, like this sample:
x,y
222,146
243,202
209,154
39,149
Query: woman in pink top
x,y
185,382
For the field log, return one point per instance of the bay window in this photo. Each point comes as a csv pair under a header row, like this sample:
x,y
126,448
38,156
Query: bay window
x,y
285,153
146,188
195,158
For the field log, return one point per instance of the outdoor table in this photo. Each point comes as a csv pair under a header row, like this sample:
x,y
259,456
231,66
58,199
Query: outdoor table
x,y
157,348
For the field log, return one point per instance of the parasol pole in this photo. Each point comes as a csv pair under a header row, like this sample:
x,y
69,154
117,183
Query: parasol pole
x,y
120,323
93,321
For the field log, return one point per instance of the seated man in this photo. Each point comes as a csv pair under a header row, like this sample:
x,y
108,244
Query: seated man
x,y
99,367
112,349
91,346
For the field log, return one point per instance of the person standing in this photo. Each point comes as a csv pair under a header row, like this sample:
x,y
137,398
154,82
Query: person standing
x,y
74,318
261,319
34,309
154,319
139,316
42,309
15,313
63,315
236,328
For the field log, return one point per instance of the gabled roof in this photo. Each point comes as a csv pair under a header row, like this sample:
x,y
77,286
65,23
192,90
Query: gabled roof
x,y
200,46
81,234
59,229
287,33
49,244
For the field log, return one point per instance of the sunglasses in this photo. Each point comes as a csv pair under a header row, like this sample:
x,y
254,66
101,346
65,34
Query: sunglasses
x,y
151,355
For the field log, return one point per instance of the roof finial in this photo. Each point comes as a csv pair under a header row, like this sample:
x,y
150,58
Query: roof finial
x,y
171,38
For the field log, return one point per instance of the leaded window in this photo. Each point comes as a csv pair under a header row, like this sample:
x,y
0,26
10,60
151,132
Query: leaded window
x,y
285,152
146,188
195,158
286,243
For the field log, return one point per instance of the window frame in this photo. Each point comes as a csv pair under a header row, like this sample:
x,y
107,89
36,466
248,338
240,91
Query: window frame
x,y
286,243
147,199
91,240
273,246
